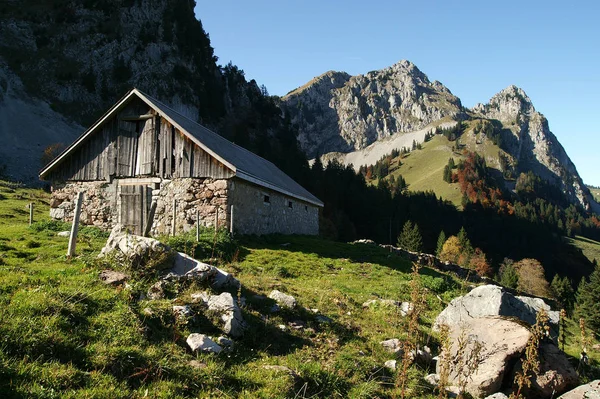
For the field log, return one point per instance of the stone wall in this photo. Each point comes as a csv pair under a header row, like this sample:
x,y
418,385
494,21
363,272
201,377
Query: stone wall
x,y
203,195
252,215
99,207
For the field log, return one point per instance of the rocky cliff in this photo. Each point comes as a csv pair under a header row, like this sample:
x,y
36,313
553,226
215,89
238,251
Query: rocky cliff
x,y
343,113
532,144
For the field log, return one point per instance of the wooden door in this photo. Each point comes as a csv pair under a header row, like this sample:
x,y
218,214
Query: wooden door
x,y
134,207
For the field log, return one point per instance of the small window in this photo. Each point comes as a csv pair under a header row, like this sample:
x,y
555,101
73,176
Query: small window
x,y
290,204
306,208
267,199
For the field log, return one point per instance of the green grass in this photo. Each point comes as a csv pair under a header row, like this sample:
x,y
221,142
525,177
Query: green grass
x,y
423,169
65,334
590,248
596,194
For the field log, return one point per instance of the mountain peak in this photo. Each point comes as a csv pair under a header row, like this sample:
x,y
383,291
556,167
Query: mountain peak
x,y
329,80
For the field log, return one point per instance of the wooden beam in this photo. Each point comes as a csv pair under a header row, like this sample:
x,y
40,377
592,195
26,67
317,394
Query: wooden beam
x,y
75,226
135,118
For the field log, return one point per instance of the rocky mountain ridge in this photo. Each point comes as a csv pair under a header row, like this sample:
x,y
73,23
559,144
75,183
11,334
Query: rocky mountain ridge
x,y
343,113
359,118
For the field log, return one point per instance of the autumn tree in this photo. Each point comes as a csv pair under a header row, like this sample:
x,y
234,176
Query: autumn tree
x,y
51,152
410,238
451,250
479,263
532,279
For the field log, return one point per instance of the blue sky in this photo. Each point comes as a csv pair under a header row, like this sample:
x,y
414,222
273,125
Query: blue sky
x,y
551,49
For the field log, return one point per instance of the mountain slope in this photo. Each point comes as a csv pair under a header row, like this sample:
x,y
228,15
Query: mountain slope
x,y
359,119
339,112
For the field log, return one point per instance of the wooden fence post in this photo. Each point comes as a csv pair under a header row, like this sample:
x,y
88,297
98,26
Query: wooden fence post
x,y
217,219
231,221
30,213
75,226
174,217
197,225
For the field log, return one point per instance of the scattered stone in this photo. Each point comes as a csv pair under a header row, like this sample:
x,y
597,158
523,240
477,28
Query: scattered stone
x,y
283,300
423,356
314,310
282,369
587,391
231,315
405,307
392,345
158,290
182,312
185,266
502,340
226,342
282,327
497,395
364,241
390,365
492,300
197,365
200,297
596,347
111,277
136,249
64,233
297,324
324,319
201,342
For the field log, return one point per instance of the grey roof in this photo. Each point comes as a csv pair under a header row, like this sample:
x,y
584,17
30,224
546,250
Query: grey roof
x,y
246,165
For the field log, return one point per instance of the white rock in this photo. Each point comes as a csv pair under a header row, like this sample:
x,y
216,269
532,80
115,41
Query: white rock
x,y
201,342
283,300
392,345
390,365
64,233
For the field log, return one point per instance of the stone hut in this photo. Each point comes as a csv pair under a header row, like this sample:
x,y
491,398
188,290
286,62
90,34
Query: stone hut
x,y
143,164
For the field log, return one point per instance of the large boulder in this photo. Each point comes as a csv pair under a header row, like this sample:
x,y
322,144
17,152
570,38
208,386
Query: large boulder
x,y
137,249
587,391
501,340
185,267
492,300
200,342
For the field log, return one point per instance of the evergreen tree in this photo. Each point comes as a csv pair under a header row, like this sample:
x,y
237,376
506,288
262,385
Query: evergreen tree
x,y
440,243
588,300
562,290
508,274
410,238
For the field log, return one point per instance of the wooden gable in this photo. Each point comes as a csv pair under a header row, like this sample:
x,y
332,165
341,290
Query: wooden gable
x,y
136,141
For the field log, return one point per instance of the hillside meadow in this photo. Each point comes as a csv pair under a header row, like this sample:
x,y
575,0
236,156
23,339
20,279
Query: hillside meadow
x,y
63,333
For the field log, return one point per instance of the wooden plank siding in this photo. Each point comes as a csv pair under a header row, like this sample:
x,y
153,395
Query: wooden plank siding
x,y
148,147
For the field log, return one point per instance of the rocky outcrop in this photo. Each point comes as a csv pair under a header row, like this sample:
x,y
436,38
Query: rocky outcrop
x,y
587,391
339,112
532,143
283,300
492,300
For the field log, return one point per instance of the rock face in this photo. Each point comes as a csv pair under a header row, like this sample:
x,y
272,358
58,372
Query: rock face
x,y
532,143
502,340
337,112
587,391
556,373
492,300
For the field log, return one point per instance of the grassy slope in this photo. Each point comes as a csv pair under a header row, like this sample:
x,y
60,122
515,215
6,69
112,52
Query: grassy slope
x,y
63,333
423,169
596,194
590,248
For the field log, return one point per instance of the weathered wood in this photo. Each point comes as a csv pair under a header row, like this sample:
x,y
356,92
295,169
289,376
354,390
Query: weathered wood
x,y
75,226
231,220
30,213
150,219
197,225
134,118
216,219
